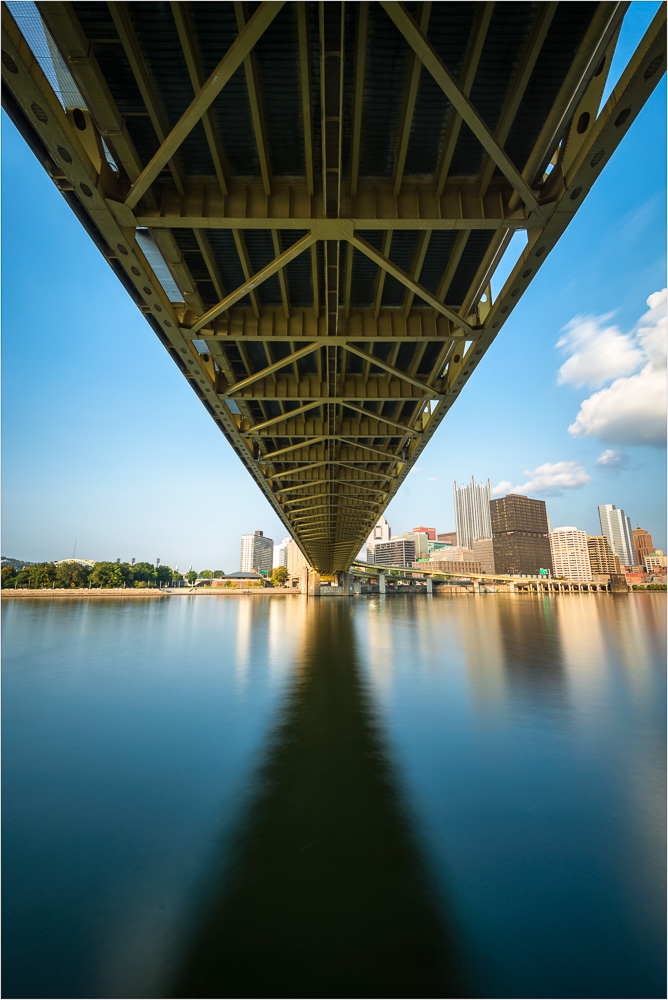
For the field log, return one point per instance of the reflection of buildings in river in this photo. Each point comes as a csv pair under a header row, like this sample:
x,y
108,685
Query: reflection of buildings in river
x,y
479,635
375,643
268,631
530,646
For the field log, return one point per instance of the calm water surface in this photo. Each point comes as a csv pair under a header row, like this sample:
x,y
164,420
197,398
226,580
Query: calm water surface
x,y
406,796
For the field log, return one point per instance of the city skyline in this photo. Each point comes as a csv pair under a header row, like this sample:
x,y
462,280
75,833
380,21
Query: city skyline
x,y
103,441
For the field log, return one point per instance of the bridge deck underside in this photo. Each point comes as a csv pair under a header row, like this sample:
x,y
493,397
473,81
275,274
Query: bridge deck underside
x,y
308,201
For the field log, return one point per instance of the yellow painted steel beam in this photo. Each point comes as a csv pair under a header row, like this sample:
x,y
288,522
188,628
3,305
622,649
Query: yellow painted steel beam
x,y
396,272
373,359
434,65
263,373
224,71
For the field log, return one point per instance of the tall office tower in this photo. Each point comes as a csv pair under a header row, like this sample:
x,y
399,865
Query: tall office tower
x,y
257,553
281,553
296,559
643,545
520,532
431,533
616,527
601,556
399,552
381,533
570,554
472,512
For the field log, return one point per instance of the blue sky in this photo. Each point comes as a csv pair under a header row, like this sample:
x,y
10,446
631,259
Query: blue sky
x,y
104,442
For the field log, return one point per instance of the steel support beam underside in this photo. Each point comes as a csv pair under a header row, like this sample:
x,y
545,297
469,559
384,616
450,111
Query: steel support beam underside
x,y
308,201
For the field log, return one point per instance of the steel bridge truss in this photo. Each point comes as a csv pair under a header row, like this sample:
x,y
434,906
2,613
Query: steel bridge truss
x,y
307,202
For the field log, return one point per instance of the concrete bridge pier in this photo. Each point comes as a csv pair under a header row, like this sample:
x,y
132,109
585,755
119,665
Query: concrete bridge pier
x,y
313,584
381,582
357,586
430,585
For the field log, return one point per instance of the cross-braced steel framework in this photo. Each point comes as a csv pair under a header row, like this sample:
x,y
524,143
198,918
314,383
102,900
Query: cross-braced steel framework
x,y
307,201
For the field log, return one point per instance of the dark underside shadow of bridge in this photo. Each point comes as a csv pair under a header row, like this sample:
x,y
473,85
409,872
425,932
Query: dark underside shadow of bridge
x,y
325,893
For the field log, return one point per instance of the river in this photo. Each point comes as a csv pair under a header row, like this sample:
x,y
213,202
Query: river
x,y
407,796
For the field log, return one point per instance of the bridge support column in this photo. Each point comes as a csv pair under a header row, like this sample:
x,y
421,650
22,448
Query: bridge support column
x,y
476,586
313,584
511,587
430,585
357,585
304,580
346,583
381,582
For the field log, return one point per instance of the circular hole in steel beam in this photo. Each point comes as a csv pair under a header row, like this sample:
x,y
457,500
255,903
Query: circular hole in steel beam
x,y
39,113
135,271
576,193
158,309
456,358
167,323
599,68
525,274
514,292
622,116
86,190
64,155
478,352
122,249
505,310
540,251
596,159
79,119
8,62
495,326
146,290
653,66
583,122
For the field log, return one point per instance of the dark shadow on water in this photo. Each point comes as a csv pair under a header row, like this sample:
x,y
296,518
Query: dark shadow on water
x,y
325,893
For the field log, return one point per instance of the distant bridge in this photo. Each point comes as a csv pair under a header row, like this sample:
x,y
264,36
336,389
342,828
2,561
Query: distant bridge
x,y
308,201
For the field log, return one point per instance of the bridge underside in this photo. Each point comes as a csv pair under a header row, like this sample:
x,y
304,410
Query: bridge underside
x,y
307,202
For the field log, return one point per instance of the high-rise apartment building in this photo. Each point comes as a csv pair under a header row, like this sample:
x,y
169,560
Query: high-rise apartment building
x,y
570,554
616,527
257,553
520,532
601,556
472,512
449,537
643,545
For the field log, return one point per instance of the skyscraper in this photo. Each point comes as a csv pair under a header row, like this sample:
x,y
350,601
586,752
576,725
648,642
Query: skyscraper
x,y
601,556
570,554
616,527
520,532
472,512
643,544
257,553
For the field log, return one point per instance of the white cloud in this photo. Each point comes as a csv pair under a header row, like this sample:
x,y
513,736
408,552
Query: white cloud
x,y
598,352
550,479
632,410
432,479
500,490
610,458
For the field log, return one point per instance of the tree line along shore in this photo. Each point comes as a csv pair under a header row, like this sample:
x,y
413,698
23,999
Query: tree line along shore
x,y
71,575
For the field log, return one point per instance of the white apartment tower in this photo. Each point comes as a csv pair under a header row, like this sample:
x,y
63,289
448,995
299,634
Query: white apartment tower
x,y
472,512
616,527
570,554
257,553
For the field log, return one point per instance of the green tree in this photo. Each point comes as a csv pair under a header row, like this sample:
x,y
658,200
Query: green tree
x,y
218,574
8,573
192,576
207,574
144,571
163,574
106,574
22,579
280,576
72,574
42,575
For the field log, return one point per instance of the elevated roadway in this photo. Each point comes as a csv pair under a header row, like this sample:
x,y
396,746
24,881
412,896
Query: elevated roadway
x,y
307,203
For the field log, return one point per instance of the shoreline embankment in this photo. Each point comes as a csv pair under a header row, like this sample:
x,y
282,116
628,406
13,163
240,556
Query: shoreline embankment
x,y
134,593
